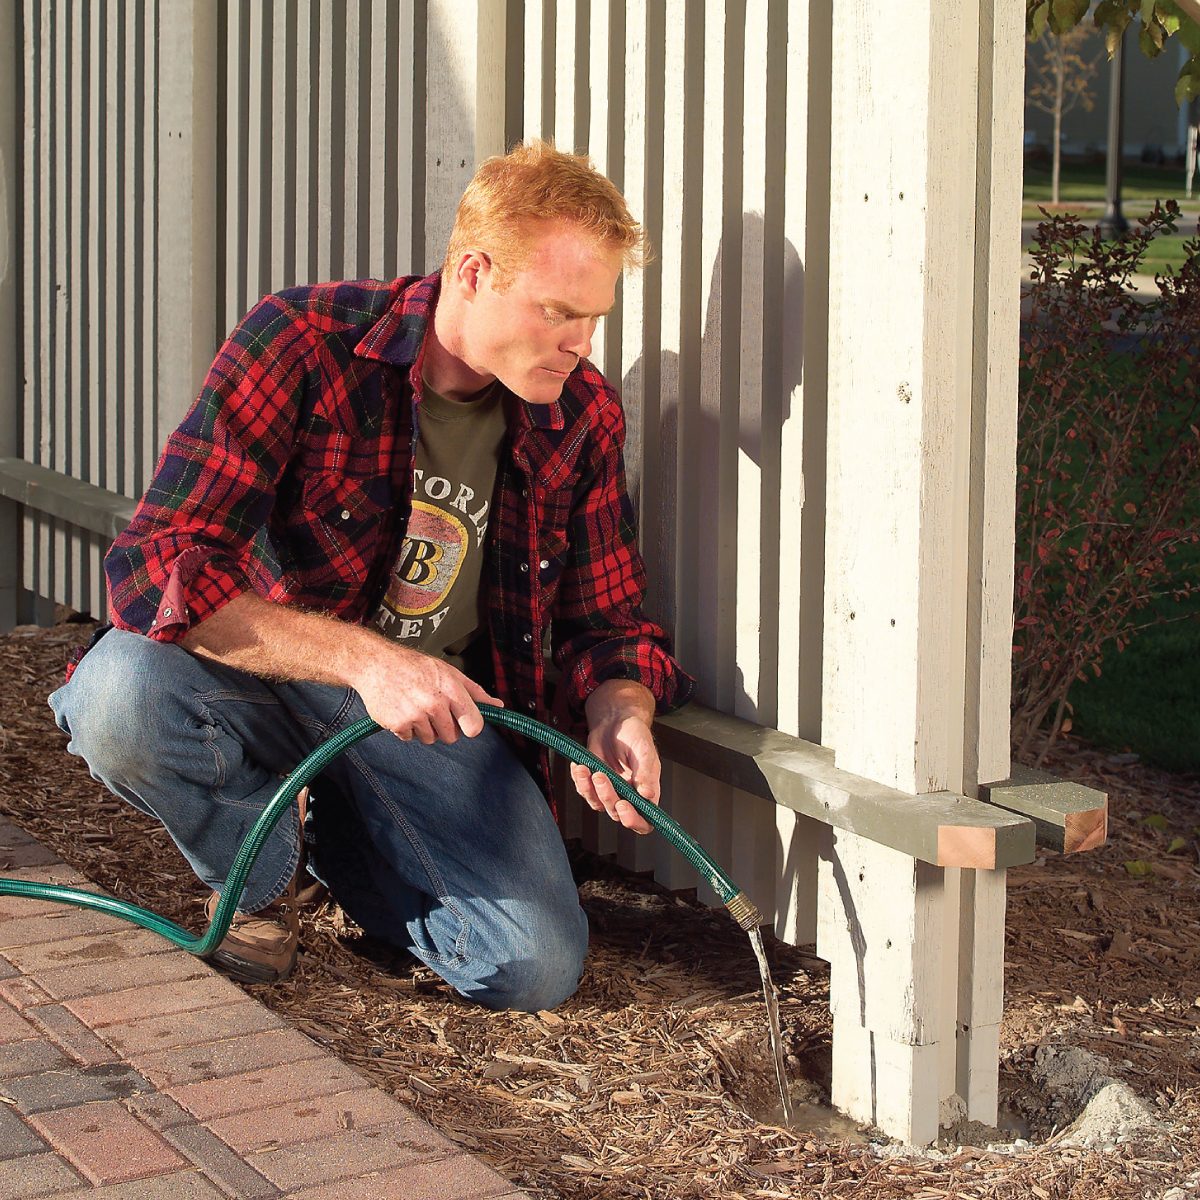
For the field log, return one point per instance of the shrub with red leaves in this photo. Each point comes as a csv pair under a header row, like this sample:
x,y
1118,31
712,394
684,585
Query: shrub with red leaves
x,y
1108,447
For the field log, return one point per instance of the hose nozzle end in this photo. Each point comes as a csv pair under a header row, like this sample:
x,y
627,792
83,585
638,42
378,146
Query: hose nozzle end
x,y
742,910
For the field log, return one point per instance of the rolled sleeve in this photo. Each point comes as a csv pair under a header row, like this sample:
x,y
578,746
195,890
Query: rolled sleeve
x,y
599,631
189,549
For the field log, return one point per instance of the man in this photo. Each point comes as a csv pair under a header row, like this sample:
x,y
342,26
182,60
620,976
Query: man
x,y
384,501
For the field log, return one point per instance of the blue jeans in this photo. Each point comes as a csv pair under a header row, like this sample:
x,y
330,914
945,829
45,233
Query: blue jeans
x,y
450,852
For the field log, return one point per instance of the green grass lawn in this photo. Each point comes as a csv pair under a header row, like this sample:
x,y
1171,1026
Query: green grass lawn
x,y
1083,184
1147,700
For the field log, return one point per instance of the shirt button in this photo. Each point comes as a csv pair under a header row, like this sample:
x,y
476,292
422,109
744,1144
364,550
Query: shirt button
x,y
525,493
345,514
528,637
531,706
167,612
524,566
544,563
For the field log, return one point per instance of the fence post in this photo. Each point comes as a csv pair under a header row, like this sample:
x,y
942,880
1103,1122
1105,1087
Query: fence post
x,y
467,115
187,204
919,535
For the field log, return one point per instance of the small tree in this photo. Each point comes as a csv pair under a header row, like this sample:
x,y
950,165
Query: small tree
x,y
1060,78
1156,22
1108,457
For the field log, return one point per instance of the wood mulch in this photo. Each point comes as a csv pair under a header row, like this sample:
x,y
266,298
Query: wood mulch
x,y
648,1083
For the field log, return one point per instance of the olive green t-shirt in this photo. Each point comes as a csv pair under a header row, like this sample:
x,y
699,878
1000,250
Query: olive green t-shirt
x,y
433,602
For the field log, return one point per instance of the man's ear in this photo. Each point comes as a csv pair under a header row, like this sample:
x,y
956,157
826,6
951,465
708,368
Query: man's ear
x,y
472,271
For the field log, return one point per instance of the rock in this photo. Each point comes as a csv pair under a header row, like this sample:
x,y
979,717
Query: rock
x,y
1112,1116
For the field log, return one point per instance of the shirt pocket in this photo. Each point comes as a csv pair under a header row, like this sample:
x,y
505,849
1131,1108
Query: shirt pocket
x,y
342,517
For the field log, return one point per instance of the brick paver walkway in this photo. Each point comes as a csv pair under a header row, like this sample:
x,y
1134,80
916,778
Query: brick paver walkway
x,y
130,1070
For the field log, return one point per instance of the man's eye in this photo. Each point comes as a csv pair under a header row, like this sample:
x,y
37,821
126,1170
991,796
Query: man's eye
x,y
553,317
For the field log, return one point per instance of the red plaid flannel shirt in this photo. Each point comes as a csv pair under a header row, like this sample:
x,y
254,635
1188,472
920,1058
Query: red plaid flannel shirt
x,y
291,477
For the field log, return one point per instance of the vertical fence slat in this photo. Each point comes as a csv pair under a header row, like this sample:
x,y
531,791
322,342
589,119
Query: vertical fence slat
x,y
303,188
79,416
59,579
539,68
113,402
597,133
566,63
994,434
323,150
749,701
234,161
257,137
95,396
284,94
382,90
714,513
148,243
191,320
407,148
353,122
34,239
130,254
11,343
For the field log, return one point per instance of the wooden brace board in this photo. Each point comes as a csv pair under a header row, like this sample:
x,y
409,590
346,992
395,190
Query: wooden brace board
x,y
941,828
1069,817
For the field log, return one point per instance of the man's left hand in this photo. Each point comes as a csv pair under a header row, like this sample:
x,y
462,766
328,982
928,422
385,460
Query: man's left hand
x,y
619,714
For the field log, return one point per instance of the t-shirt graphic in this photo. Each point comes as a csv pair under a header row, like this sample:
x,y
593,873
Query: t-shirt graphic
x,y
430,559
433,602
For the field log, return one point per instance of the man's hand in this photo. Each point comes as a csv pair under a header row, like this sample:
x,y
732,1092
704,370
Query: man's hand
x,y
412,694
619,714
417,696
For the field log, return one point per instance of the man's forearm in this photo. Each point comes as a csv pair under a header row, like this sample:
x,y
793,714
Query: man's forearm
x,y
278,642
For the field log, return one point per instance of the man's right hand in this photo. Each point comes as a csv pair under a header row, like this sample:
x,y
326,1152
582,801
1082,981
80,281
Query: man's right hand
x,y
417,696
412,694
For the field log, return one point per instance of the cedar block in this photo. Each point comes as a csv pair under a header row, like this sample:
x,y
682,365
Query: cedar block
x,y
107,1142
16,1138
19,907
37,1175
13,1026
309,1117
79,1085
62,923
263,1089
22,993
184,1185
30,1057
118,948
152,1034
457,1178
59,873
220,1163
231,1056
31,854
71,1034
116,1008
349,1154
69,983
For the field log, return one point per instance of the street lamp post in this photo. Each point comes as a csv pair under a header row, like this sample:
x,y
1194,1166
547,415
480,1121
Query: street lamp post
x,y
1113,222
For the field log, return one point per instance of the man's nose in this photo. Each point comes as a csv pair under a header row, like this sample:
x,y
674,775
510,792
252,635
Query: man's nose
x,y
579,337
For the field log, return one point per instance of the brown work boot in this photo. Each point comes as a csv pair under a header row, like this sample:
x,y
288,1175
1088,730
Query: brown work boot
x,y
261,946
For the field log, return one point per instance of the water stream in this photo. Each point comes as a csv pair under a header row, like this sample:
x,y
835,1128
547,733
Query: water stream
x,y
772,999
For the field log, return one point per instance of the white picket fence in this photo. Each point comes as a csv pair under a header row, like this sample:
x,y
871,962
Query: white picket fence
x,y
818,365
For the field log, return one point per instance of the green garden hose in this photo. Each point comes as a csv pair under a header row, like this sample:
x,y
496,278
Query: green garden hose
x,y
202,945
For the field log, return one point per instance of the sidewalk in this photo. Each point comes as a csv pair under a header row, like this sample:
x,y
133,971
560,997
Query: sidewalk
x,y
132,1071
